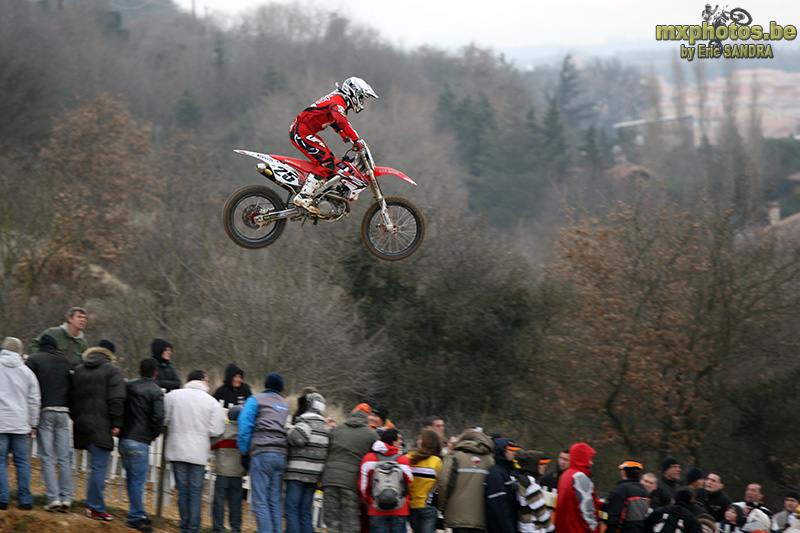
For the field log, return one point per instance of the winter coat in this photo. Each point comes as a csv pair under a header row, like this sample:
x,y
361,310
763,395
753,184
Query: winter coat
x,y
262,424
308,443
53,372
144,411
664,492
97,399
348,444
683,512
576,508
631,499
533,516
230,395
381,452
20,398
501,492
71,347
714,503
167,375
227,457
192,417
464,473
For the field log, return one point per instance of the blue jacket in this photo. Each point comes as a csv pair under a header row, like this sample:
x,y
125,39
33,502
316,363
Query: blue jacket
x,y
262,424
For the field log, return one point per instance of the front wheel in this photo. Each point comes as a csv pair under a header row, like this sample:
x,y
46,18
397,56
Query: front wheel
x,y
242,212
386,243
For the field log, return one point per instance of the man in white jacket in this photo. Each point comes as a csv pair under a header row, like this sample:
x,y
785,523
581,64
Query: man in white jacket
x,y
20,402
192,417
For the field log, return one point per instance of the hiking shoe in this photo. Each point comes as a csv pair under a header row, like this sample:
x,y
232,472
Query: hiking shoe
x,y
64,507
95,515
53,506
26,506
140,525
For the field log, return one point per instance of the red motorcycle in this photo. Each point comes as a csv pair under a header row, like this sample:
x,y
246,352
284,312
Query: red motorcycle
x,y
255,216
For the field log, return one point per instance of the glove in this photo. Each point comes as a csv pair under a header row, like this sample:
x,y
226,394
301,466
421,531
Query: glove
x,y
345,138
245,460
359,145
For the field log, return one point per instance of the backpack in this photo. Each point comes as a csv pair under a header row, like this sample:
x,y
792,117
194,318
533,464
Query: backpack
x,y
634,509
388,485
669,523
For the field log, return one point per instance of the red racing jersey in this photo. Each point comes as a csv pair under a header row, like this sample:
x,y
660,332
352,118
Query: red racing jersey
x,y
328,111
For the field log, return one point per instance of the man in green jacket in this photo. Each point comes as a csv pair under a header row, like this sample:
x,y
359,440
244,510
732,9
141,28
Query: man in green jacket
x,y
348,444
69,335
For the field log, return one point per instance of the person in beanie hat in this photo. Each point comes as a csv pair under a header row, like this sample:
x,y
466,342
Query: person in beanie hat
x,y
167,375
790,504
668,483
667,519
501,498
262,435
532,514
53,372
629,502
694,478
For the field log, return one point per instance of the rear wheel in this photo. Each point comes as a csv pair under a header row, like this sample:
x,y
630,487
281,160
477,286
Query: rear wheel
x,y
386,243
741,16
241,212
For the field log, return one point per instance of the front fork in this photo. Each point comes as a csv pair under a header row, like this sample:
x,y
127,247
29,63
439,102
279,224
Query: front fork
x,y
376,192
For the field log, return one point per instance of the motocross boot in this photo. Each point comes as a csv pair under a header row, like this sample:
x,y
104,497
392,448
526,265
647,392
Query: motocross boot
x,y
306,194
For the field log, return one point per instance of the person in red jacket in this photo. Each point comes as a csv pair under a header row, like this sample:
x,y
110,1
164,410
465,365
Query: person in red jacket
x,y
387,449
577,504
330,110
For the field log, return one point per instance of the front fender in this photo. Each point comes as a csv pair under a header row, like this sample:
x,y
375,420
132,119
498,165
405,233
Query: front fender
x,y
383,171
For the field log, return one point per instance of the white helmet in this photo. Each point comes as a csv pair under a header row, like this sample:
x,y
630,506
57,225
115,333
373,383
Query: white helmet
x,y
355,91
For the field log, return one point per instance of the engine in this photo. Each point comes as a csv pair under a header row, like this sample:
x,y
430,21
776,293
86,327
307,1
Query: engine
x,y
332,208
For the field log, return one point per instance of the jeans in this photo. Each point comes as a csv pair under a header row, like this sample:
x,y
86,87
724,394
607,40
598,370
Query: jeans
x,y
136,460
55,448
298,505
189,480
227,489
423,520
17,444
97,478
387,524
266,471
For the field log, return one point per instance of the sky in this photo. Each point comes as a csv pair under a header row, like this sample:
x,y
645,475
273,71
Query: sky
x,y
451,24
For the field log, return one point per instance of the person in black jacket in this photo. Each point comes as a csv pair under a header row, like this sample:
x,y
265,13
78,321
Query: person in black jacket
x,y
234,391
167,375
501,489
52,369
629,502
676,518
144,417
97,405
668,483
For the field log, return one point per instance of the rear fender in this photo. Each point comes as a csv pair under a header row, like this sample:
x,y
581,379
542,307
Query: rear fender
x,y
283,173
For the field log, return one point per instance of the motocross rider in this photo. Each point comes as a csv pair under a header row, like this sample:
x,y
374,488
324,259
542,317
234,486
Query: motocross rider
x,y
330,110
708,12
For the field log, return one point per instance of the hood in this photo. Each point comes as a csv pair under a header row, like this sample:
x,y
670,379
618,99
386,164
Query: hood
x,y
158,346
580,457
96,356
10,359
197,385
382,448
740,517
757,520
472,441
500,450
230,371
315,403
356,419
528,461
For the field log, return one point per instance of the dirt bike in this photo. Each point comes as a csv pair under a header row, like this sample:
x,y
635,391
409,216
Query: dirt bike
x,y
721,17
255,216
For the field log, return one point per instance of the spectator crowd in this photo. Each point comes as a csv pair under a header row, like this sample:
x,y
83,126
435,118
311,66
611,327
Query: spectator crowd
x,y
470,483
